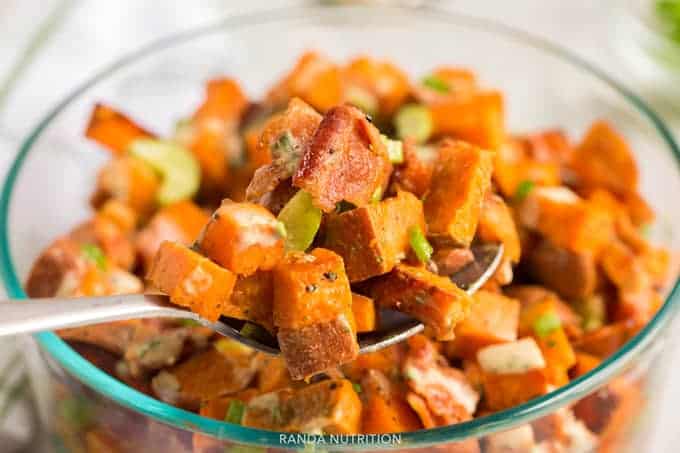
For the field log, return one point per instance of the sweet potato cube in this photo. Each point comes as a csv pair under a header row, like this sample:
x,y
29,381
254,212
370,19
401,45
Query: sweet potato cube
x,y
606,340
313,311
572,275
603,159
493,318
242,237
496,224
191,280
385,414
566,219
513,167
345,160
120,214
273,375
374,238
315,79
541,320
363,309
503,391
180,222
130,181
224,100
461,178
433,300
584,363
331,406
623,267
113,130
107,235
382,82
453,84
477,119
415,173
205,376
252,298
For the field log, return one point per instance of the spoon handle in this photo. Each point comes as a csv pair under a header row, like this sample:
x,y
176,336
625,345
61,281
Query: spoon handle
x,y
37,315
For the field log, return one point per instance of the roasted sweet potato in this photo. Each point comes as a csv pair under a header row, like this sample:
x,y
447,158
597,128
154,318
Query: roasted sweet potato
x,y
533,294
242,237
566,219
572,275
191,280
284,139
503,391
584,363
346,160
446,84
363,309
461,178
496,224
130,181
313,311
181,222
514,166
493,318
331,406
432,299
603,159
374,238
120,214
315,79
113,130
377,87
273,375
604,341
252,298
477,119
224,101
623,268
205,376
384,408
541,320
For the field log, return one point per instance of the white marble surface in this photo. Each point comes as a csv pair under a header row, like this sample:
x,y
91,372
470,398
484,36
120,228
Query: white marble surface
x,y
92,33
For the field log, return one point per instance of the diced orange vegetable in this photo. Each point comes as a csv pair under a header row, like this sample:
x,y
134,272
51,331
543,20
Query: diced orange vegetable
x,y
224,100
461,178
191,280
456,84
107,235
345,161
640,212
477,119
432,299
205,376
315,79
496,224
541,320
623,268
374,238
113,130
493,318
503,391
584,363
130,181
331,406
273,375
382,80
216,408
181,222
242,237
514,166
382,415
252,298
550,145
363,309
606,340
603,159
313,311
566,219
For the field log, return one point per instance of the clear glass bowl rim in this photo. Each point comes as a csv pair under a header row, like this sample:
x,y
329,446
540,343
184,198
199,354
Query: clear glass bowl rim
x,y
115,390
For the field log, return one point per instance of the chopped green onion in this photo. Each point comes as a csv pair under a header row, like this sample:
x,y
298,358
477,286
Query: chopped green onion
x,y
395,149
179,171
189,323
94,254
436,84
668,12
377,195
523,189
301,220
281,229
546,324
415,121
357,387
419,244
235,412
593,312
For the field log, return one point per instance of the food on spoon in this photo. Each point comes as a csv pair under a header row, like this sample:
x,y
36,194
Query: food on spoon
x,y
348,191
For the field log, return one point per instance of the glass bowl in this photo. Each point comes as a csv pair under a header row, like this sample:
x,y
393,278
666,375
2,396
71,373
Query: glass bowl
x,y
48,187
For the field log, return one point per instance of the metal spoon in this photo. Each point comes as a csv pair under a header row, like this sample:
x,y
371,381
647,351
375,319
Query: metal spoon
x,y
37,315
